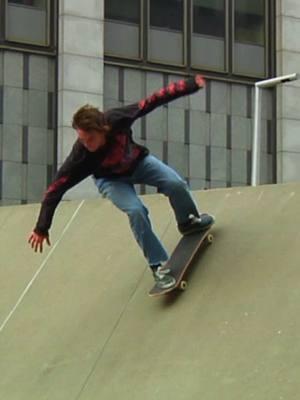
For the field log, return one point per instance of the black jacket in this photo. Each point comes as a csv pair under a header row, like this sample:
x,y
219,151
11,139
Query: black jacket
x,y
118,157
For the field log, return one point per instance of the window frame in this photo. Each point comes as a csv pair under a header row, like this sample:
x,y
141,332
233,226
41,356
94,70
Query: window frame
x,y
49,48
226,41
184,64
140,37
266,43
188,68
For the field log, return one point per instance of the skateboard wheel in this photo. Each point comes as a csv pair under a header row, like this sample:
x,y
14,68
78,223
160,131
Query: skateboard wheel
x,y
183,285
210,238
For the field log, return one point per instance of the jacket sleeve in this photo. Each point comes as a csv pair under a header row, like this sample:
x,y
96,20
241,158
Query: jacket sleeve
x,y
69,175
124,117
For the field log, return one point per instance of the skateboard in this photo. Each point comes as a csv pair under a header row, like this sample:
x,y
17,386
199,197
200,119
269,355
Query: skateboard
x,y
181,259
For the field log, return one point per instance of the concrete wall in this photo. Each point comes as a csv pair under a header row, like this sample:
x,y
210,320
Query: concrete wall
x,y
206,137
27,122
288,95
80,72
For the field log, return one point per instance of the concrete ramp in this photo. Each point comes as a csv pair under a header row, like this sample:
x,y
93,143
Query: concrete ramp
x,y
76,321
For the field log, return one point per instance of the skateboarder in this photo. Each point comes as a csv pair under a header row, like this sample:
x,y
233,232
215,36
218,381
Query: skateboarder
x,y
106,150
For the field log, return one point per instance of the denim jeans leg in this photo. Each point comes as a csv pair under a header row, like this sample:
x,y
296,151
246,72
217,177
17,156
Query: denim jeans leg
x,y
154,172
123,196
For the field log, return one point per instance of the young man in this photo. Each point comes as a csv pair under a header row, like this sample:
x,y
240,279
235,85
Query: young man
x,y
106,150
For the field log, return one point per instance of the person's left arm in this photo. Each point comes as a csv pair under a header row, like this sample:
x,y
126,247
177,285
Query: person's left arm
x,y
123,117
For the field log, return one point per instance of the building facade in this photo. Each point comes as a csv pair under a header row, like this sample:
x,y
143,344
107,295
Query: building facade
x,y
58,55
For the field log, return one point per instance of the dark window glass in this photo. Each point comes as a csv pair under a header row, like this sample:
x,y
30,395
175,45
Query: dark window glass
x,y
31,3
249,37
166,31
125,10
27,21
166,14
208,40
209,17
250,21
122,28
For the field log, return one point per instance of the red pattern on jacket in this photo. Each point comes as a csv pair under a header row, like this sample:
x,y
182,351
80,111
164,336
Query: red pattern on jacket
x,y
55,185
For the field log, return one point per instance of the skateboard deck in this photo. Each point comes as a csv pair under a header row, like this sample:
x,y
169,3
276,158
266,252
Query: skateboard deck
x,y
181,259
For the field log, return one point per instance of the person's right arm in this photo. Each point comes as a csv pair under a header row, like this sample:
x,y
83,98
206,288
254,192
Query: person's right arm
x,y
70,174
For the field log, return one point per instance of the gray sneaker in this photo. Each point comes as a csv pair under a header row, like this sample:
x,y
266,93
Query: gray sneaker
x,y
163,278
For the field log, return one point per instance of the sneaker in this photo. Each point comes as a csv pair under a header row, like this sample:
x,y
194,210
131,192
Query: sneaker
x,y
196,224
163,278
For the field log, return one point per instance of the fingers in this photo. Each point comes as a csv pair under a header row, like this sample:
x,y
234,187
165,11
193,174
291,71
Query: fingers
x,y
36,241
30,238
39,245
36,244
48,241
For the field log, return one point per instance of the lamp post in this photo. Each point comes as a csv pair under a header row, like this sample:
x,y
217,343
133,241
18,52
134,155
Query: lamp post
x,y
256,143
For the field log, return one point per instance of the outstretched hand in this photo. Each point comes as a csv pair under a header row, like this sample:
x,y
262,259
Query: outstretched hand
x,y
37,241
200,80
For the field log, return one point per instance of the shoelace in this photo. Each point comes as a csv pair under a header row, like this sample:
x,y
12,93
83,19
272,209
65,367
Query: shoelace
x,y
161,271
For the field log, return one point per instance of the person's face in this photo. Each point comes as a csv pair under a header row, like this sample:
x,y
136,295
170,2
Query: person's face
x,y
91,140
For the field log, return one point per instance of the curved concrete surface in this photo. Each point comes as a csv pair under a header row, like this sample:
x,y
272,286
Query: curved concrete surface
x,y
77,323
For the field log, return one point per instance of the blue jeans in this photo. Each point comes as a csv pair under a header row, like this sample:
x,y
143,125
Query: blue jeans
x,y
121,192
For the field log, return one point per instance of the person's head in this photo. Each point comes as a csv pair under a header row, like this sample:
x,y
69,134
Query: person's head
x,y
91,127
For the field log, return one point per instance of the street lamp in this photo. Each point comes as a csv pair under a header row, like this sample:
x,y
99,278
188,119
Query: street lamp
x,y
255,173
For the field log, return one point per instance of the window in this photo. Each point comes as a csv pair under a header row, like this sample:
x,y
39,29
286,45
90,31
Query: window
x,y
208,35
122,28
232,38
166,37
27,21
32,3
249,37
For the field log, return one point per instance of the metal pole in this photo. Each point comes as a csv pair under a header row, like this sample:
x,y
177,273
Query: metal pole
x,y
256,144
255,174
